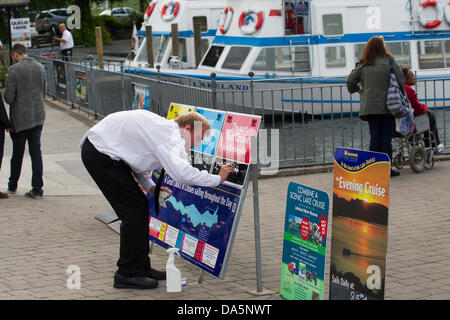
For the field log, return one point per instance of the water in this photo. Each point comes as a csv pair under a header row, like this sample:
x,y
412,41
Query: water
x,y
315,140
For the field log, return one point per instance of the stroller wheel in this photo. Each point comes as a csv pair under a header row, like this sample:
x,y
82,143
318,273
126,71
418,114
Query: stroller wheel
x,y
417,159
429,163
399,160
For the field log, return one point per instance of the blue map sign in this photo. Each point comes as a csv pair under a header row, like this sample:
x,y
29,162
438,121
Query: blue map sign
x,y
198,221
304,245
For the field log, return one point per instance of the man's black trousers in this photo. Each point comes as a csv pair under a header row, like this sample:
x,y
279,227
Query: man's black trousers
x,y
115,180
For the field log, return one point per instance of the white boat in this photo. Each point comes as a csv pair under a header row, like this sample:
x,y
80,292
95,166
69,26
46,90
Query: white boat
x,y
288,44
160,15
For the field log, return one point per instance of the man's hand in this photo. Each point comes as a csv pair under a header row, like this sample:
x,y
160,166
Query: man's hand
x,y
225,170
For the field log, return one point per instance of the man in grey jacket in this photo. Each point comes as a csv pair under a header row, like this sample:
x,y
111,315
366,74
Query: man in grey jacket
x,y
25,92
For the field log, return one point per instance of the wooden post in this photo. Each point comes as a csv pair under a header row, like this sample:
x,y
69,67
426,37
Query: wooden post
x,y
175,48
99,41
198,43
149,40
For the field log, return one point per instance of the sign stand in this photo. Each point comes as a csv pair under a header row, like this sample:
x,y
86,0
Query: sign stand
x,y
201,277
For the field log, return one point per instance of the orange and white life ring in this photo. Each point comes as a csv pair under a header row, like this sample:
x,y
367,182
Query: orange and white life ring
x,y
225,20
251,21
149,11
447,12
440,14
170,10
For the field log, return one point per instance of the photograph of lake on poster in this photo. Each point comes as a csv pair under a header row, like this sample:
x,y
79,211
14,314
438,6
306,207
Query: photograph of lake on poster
x,y
358,242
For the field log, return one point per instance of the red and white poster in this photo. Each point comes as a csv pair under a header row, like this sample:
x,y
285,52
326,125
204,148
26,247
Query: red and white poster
x,y
237,133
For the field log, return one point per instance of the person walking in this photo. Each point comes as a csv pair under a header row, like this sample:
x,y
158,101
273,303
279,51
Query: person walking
x,y
5,124
65,42
370,78
119,153
25,91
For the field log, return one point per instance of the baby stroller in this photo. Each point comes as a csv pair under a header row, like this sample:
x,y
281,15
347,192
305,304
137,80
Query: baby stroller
x,y
415,148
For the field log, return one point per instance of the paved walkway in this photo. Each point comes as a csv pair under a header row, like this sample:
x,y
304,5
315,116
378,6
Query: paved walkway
x,y
40,239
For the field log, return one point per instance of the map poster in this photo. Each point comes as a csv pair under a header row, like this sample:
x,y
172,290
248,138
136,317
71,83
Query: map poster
x,y
142,98
304,245
176,110
360,225
80,88
198,221
60,78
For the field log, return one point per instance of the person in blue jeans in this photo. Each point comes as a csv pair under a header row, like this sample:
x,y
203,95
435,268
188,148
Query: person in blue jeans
x,y
25,92
370,79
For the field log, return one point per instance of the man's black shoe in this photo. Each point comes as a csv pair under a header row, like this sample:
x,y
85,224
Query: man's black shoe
x,y
157,275
134,282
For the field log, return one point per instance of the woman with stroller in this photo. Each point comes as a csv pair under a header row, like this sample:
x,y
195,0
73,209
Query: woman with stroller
x,y
371,79
420,108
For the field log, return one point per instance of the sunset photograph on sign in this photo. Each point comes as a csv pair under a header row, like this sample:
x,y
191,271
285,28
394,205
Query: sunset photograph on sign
x,y
360,218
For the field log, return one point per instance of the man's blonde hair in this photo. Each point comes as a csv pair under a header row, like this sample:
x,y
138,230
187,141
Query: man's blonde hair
x,y
191,118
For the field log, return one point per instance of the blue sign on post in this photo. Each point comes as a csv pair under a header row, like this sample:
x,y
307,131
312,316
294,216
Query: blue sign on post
x,y
304,245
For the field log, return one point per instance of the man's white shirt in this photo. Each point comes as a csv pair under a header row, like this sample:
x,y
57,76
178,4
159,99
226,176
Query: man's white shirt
x,y
146,141
69,40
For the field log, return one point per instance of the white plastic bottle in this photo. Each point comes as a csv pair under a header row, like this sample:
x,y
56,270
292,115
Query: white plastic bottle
x,y
173,281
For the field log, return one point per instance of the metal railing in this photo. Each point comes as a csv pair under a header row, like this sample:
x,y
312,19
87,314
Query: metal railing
x,y
305,120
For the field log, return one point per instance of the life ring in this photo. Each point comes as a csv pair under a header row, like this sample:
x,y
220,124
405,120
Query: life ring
x,y
225,20
447,12
149,11
440,14
173,6
251,21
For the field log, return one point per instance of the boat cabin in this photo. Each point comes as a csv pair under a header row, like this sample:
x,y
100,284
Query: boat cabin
x,y
325,38
161,15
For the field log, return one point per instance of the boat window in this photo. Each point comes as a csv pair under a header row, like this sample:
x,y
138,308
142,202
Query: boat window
x,y
400,50
447,53
142,55
182,49
431,54
296,13
212,56
332,24
236,58
159,47
202,21
279,59
335,57
273,59
204,45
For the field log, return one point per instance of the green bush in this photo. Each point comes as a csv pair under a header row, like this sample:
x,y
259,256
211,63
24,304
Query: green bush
x,y
86,35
